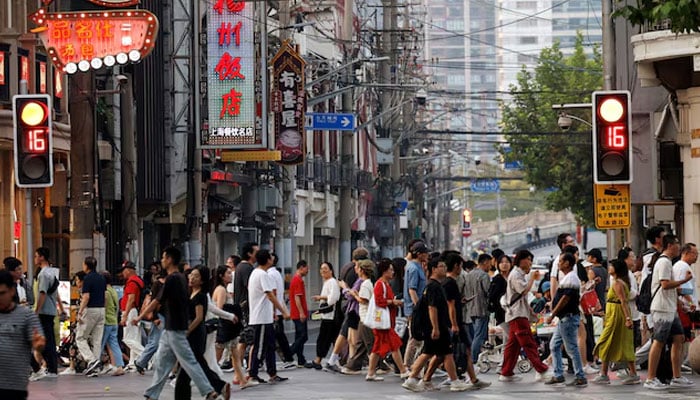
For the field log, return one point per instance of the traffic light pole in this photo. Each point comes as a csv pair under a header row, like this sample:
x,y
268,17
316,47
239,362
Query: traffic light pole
x,y
29,234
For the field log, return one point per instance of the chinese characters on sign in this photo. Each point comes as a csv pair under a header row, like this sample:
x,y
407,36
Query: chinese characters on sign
x,y
612,206
79,41
231,77
289,104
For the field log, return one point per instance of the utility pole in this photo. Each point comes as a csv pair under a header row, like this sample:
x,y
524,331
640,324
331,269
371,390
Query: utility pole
x,y
128,170
82,174
389,51
346,209
609,83
195,217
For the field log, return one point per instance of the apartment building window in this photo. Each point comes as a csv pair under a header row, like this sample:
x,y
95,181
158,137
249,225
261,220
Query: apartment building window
x,y
527,23
528,40
455,25
526,5
455,79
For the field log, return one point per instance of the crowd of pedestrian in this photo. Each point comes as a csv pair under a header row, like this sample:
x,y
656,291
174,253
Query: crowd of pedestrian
x,y
426,315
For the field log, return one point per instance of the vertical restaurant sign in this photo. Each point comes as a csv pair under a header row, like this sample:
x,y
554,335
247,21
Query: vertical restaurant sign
x,y
231,77
288,100
2,67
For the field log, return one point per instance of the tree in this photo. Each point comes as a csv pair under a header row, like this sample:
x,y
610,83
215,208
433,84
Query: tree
x,y
550,157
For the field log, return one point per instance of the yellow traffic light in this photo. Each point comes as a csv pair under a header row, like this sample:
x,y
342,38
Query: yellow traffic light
x,y
33,113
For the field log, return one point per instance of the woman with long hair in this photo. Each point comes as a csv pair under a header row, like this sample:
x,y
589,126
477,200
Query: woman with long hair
x,y
228,331
198,278
327,300
499,284
616,342
386,340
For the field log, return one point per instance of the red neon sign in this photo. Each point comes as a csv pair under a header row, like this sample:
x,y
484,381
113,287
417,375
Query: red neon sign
x,y
79,41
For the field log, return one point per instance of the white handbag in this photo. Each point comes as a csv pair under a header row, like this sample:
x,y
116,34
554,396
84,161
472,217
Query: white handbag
x,y
377,317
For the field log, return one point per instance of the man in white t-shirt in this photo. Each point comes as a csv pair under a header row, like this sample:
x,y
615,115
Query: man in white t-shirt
x,y
262,302
563,240
665,317
280,337
689,255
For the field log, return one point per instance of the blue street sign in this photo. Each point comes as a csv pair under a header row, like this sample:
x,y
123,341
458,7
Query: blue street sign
x,y
513,165
485,186
330,121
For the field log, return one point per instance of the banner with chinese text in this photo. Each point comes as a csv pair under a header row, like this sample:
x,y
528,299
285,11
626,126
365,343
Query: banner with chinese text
x,y
231,77
288,101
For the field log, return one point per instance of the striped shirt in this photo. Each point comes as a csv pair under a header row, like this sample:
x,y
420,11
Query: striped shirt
x,y
16,331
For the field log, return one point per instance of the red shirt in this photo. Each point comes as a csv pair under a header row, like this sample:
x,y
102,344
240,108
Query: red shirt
x,y
133,286
296,288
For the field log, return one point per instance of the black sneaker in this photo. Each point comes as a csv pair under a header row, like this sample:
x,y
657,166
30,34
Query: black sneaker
x,y
332,368
92,367
313,365
277,379
140,370
226,366
555,381
257,379
578,382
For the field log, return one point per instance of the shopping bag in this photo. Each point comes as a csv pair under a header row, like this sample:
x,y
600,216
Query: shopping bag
x,y
590,303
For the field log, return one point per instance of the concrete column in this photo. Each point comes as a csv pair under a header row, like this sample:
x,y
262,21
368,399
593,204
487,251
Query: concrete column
x,y
689,139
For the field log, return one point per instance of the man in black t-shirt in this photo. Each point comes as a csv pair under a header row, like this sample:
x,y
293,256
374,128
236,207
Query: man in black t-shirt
x,y
437,346
173,343
458,329
241,276
91,315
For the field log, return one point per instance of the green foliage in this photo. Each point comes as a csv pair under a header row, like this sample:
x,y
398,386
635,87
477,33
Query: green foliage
x,y
684,15
553,160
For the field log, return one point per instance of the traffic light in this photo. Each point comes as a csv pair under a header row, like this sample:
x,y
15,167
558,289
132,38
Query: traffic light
x,y
33,140
612,137
466,218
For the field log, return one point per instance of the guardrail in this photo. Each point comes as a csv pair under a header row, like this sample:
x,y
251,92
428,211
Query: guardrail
x,y
548,235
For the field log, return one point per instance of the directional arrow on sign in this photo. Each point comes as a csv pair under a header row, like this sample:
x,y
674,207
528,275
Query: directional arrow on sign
x,y
345,122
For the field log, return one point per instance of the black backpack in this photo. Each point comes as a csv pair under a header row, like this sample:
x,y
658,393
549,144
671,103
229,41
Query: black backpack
x,y
420,320
645,296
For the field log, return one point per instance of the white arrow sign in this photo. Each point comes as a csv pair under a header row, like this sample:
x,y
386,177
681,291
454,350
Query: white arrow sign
x,y
345,122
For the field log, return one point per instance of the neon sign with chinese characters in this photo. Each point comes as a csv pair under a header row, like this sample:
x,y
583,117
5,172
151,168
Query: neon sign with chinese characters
x,y
231,77
79,41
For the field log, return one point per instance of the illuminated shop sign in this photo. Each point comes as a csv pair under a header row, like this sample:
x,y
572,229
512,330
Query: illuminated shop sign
x,y
288,104
231,77
79,41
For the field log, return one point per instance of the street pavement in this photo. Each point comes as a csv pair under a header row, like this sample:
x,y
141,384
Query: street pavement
x,y
305,384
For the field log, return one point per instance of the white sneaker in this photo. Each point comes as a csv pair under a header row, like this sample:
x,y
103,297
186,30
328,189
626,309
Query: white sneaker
x,y
51,375
542,376
446,383
509,378
68,371
439,373
38,375
413,385
681,382
459,386
428,385
107,369
655,384
589,370
374,378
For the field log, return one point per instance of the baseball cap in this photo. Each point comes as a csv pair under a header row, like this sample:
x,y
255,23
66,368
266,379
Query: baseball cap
x,y
127,264
419,248
546,286
595,253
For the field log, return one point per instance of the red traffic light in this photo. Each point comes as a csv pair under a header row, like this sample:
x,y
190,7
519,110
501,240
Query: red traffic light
x,y
33,142
612,147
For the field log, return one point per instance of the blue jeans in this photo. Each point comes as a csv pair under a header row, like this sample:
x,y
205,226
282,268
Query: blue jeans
x,y
173,347
301,335
480,326
566,333
110,337
152,344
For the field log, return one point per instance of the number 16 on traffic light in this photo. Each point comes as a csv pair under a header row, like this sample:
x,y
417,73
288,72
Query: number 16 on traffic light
x,y
612,137
33,144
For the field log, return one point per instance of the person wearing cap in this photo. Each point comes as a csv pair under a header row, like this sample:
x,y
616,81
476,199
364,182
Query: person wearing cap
x,y
413,285
129,305
602,278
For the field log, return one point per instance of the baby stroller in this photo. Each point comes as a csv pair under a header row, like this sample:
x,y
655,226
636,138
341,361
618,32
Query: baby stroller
x,y
68,350
492,355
